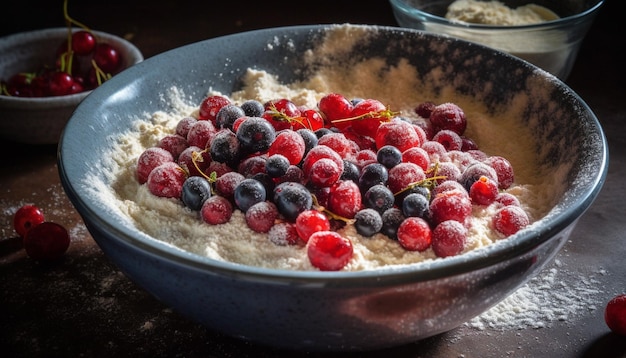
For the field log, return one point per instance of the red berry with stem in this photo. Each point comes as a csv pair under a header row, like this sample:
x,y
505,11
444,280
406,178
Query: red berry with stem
x,y
60,83
615,314
335,106
47,241
483,191
329,251
369,114
26,218
107,58
83,42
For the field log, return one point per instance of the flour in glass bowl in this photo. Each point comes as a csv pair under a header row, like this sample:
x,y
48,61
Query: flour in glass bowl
x,y
169,221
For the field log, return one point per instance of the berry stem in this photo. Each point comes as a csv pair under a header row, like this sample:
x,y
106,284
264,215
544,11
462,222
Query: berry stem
x,y
386,115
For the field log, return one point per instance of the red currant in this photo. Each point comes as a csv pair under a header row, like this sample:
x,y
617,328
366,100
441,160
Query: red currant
x,y
449,238
216,210
27,217
167,180
335,106
448,116
615,314
329,251
510,219
309,222
414,234
484,191
47,241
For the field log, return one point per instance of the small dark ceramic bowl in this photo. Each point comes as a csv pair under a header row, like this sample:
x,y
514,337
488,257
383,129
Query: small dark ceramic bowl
x,y
314,310
40,120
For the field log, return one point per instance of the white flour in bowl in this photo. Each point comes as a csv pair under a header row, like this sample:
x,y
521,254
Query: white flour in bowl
x,y
169,221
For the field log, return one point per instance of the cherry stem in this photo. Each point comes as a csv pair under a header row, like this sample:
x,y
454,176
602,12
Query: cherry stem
x,y
281,116
330,213
386,114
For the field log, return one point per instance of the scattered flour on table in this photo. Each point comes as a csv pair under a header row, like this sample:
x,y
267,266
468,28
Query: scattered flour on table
x,y
548,297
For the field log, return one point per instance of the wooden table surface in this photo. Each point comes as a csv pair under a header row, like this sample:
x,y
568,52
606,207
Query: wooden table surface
x,y
85,307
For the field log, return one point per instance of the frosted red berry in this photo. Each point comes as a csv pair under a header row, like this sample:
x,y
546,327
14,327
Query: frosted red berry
x,y
449,238
329,251
216,210
309,222
414,234
510,219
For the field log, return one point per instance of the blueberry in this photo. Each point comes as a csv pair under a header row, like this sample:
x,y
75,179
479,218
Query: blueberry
x,y
310,139
389,156
291,199
276,165
379,198
350,171
392,218
415,205
253,108
196,190
368,222
225,147
255,134
372,174
227,115
248,193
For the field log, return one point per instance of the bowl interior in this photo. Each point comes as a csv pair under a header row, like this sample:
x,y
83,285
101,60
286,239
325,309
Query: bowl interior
x,y
564,9
569,143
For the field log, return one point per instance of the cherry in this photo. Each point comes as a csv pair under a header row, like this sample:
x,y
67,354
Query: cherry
x,y
615,314
107,58
27,217
83,42
47,241
60,84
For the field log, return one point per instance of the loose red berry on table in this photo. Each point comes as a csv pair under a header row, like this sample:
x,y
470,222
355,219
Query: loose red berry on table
x,y
47,241
615,314
26,218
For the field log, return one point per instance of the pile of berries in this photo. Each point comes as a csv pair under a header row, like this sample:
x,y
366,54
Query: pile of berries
x,y
43,240
299,174
82,64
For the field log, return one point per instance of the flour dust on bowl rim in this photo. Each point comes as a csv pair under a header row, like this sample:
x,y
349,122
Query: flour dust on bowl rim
x,y
322,311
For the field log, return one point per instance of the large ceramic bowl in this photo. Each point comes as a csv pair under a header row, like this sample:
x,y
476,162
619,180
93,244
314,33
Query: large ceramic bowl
x,y
315,310
40,120
552,45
